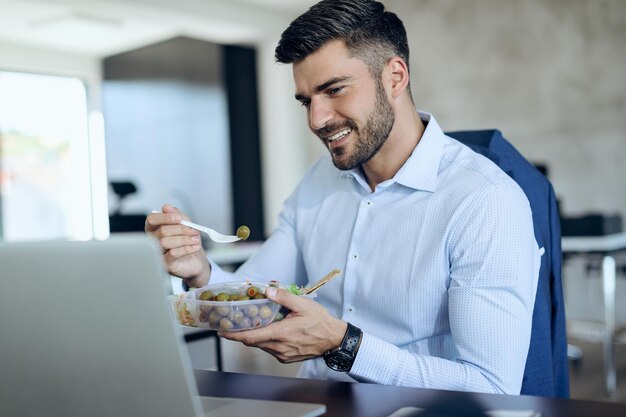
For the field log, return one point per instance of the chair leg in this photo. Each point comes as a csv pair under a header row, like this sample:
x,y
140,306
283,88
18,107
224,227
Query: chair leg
x,y
608,291
218,352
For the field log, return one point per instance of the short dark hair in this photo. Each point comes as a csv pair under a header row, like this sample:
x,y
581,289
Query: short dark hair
x,y
368,31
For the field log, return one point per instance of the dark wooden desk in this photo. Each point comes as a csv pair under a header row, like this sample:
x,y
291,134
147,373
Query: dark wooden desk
x,y
344,399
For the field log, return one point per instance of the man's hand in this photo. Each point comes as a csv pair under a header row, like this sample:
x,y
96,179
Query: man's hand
x,y
307,332
182,250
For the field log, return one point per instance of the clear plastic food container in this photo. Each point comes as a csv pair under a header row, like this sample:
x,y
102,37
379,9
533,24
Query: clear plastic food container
x,y
228,306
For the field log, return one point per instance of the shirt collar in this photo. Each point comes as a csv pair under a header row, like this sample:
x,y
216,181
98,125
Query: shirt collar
x,y
420,170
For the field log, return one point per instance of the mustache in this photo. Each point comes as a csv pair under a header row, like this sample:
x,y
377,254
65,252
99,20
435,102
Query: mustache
x,y
329,129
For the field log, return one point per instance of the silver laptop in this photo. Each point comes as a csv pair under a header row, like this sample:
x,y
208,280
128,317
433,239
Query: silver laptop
x,y
85,330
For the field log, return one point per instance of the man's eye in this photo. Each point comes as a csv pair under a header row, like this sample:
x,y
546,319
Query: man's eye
x,y
305,103
334,91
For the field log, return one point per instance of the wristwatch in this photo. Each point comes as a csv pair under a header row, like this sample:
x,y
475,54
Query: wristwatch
x,y
341,359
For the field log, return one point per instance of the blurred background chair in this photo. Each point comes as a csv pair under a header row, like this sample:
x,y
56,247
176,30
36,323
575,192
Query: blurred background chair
x,y
120,222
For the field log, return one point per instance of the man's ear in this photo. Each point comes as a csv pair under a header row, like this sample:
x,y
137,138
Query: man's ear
x,y
398,73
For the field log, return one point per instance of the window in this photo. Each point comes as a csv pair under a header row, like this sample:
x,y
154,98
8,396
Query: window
x,y
46,163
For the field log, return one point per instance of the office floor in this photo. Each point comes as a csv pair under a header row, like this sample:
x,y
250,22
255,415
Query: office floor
x,y
582,291
586,377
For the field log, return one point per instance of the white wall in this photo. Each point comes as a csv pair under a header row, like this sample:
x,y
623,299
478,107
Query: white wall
x,y
14,57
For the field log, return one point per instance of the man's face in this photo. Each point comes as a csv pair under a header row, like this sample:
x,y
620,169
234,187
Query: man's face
x,y
346,108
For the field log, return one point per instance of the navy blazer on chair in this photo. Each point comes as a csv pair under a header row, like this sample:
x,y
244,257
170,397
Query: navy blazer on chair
x,y
546,373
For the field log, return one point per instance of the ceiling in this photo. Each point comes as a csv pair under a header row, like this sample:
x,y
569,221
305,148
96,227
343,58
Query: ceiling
x,y
105,27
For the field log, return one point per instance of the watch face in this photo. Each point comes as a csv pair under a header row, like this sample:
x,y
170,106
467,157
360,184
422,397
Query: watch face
x,y
339,361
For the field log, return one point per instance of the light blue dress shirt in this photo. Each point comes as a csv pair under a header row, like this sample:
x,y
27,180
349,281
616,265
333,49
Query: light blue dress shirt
x,y
440,267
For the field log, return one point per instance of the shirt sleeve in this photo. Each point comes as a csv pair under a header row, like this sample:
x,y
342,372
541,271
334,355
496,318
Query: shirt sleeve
x,y
494,265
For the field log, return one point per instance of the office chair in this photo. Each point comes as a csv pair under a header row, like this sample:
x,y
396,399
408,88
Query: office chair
x,y
119,222
546,373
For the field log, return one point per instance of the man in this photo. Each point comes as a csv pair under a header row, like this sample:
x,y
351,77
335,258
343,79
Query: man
x,y
435,242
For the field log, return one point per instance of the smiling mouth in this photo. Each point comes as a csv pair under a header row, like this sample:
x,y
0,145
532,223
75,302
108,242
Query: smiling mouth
x,y
341,134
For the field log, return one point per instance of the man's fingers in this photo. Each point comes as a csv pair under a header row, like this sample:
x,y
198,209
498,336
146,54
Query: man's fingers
x,y
249,337
155,220
168,208
171,230
285,298
173,242
180,252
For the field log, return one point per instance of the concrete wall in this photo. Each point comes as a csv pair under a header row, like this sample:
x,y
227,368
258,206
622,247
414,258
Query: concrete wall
x,y
551,74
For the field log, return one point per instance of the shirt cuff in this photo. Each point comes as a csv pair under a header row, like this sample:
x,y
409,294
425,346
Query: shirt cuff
x,y
368,366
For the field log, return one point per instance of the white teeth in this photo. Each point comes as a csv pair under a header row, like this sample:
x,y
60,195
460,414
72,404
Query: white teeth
x,y
339,135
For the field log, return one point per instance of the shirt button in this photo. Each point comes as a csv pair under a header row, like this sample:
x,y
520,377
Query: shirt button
x,y
355,256
369,202
350,309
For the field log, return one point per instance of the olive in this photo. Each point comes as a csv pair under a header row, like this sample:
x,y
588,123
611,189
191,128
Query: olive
x,y
243,232
206,295
245,323
265,312
237,316
252,311
214,317
222,311
252,291
221,297
226,324
259,296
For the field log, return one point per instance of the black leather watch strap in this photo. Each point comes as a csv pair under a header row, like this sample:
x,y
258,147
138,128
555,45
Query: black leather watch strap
x,y
351,339
342,358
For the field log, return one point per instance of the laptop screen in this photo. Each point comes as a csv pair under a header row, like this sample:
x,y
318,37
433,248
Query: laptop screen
x,y
89,333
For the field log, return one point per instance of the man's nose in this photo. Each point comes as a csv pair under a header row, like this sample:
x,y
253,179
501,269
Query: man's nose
x,y
320,113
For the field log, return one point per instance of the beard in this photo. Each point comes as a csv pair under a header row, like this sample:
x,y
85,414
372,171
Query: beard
x,y
369,140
